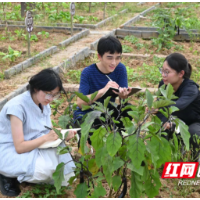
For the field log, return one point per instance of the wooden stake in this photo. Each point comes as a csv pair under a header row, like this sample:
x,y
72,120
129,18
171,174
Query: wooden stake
x,y
28,37
104,13
90,3
71,25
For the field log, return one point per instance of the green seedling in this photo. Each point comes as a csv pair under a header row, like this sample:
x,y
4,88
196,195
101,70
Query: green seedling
x,y
44,34
11,55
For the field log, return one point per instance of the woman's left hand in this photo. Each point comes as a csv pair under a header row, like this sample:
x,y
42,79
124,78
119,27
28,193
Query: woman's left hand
x,y
71,134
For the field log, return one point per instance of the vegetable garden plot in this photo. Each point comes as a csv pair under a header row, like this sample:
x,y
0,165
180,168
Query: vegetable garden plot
x,y
13,48
182,14
59,12
179,23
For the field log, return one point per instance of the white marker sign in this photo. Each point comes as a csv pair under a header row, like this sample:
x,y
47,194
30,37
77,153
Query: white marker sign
x,y
72,8
29,21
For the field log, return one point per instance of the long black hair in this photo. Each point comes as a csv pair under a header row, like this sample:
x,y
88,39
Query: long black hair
x,y
45,80
178,62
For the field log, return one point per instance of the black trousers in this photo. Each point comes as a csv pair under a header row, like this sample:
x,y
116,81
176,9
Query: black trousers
x,y
97,123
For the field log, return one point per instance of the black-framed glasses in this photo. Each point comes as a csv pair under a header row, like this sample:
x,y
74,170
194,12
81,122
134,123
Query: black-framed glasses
x,y
50,96
163,72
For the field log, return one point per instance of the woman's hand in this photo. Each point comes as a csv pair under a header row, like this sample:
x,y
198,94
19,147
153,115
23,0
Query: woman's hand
x,y
70,135
167,125
51,136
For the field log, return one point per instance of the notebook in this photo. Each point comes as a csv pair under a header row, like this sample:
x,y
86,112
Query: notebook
x,y
52,144
110,92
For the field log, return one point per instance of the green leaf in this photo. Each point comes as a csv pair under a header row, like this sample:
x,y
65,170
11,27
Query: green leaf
x,y
163,149
146,125
62,150
136,185
115,121
85,107
58,133
81,190
117,163
136,149
162,103
185,135
114,104
134,169
99,191
58,176
151,148
152,184
92,166
85,127
172,109
63,121
163,92
163,112
113,143
134,115
128,124
149,98
116,182
83,97
122,152
93,96
169,91
106,101
2,54
10,50
99,156
71,180
132,107
97,138
106,160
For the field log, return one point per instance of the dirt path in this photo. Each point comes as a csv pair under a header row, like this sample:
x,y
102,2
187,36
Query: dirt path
x,y
9,85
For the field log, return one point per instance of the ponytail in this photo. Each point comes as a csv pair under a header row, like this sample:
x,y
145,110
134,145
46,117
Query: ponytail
x,y
188,71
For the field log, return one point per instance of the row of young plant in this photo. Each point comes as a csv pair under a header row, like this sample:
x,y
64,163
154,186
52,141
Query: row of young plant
x,y
170,21
133,154
54,12
12,54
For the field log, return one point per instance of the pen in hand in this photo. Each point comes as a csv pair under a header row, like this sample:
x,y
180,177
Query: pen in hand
x,y
109,78
48,127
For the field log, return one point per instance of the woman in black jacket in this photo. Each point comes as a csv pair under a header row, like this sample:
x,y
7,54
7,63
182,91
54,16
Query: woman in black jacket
x,y
177,71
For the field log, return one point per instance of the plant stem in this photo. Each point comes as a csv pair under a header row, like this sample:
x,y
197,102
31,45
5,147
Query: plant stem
x,y
110,192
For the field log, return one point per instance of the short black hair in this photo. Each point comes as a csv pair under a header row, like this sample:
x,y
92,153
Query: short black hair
x,y
178,62
109,44
45,80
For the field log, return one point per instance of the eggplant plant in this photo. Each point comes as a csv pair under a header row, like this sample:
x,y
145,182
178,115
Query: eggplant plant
x,y
130,154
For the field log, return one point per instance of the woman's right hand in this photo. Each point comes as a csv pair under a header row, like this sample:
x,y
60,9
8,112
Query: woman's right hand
x,y
51,136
